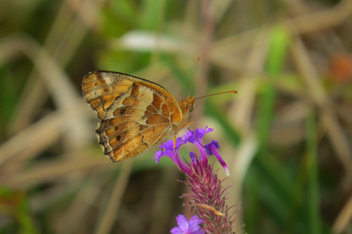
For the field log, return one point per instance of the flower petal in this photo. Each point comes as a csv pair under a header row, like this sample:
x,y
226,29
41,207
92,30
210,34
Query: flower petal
x,y
194,223
168,150
176,230
182,222
191,137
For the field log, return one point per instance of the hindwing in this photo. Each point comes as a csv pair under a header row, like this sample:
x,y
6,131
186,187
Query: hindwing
x,y
133,113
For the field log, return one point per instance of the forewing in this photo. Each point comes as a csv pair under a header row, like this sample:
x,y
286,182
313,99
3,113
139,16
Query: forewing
x,y
134,113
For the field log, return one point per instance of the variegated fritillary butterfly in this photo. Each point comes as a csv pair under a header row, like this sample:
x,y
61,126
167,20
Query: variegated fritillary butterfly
x,y
133,113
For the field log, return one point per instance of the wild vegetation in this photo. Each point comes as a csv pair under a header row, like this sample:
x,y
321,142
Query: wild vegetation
x,y
286,136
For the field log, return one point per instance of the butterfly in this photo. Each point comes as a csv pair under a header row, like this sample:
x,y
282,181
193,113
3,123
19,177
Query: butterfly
x,y
134,113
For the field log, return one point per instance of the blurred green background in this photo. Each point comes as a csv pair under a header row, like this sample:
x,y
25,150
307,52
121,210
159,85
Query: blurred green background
x,y
286,135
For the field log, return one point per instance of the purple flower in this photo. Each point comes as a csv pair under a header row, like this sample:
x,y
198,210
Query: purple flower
x,y
207,195
168,150
187,227
198,137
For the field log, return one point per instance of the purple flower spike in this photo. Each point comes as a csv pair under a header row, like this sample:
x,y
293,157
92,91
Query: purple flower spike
x,y
206,192
211,149
187,227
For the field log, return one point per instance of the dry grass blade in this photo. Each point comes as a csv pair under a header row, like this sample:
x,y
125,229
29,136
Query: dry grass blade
x,y
53,170
62,90
71,219
344,218
67,31
112,206
40,135
320,20
328,116
241,114
241,111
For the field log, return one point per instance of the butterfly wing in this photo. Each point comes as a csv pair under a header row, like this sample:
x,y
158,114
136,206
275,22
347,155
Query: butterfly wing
x,y
134,113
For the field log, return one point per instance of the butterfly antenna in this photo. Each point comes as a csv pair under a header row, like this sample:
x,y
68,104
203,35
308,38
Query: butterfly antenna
x,y
194,72
232,91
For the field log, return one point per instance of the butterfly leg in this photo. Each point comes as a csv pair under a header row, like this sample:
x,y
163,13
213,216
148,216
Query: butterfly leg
x,y
175,142
188,124
175,145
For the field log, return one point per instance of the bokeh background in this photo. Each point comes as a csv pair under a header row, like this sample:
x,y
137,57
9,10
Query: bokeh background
x,y
286,135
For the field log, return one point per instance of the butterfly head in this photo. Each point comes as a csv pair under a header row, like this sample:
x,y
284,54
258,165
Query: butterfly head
x,y
187,105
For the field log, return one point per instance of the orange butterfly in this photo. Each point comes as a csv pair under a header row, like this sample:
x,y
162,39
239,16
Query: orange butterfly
x,y
133,113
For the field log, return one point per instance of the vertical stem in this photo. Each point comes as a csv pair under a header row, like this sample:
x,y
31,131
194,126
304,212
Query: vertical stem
x,y
207,22
312,168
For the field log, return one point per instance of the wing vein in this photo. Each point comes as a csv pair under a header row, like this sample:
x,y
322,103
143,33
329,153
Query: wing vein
x,y
161,132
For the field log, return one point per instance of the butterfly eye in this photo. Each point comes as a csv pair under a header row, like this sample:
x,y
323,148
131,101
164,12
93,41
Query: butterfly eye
x,y
191,104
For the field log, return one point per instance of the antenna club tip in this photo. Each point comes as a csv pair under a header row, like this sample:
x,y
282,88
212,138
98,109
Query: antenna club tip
x,y
234,91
